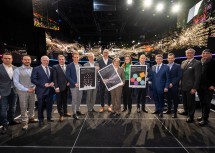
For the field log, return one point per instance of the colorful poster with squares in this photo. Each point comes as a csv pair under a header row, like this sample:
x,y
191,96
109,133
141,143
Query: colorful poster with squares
x,y
87,79
138,76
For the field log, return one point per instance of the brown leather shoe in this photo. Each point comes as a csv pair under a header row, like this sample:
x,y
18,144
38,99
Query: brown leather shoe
x,y
109,109
32,120
101,110
61,119
67,115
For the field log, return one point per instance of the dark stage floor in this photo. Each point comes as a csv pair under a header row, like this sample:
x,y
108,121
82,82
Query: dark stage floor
x,y
101,133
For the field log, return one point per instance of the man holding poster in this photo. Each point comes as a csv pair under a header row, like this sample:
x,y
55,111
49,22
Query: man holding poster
x,y
91,93
141,93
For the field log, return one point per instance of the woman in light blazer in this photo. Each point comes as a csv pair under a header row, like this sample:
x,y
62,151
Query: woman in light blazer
x,y
117,92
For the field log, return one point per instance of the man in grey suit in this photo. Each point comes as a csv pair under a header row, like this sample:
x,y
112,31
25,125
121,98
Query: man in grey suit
x,y
190,83
8,96
61,87
91,93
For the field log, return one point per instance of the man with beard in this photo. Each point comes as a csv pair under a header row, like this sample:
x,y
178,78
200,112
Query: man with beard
x,y
25,90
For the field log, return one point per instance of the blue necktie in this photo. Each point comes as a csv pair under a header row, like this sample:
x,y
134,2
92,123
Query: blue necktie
x,y
47,72
158,68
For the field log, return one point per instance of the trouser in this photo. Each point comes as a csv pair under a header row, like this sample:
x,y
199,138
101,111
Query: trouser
x,y
8,107
91,98
102,94
141,97
205,97
127,100
62,102
173,95
76,99
47,101
189,103
116,96
26,103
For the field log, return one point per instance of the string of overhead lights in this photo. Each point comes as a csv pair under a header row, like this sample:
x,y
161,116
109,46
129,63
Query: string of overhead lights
x,y
159,7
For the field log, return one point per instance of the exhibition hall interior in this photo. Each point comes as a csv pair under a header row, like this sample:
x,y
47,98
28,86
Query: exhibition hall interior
x,y
178,119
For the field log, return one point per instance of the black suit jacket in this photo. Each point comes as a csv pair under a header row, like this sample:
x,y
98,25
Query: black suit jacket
x,y
191,75
208,74
59,77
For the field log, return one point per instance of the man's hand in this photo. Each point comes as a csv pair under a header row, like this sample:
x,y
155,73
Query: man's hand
x,y
57,90
51,84
211,88
68,84
47,85
192,91
170,85
30,90
76,85
165,89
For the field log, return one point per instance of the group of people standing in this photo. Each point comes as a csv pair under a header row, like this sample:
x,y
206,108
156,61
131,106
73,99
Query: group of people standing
x,y
43,81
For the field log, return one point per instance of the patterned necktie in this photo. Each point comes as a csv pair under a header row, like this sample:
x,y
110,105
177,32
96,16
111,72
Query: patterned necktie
x,y
47,72
187,63
63,68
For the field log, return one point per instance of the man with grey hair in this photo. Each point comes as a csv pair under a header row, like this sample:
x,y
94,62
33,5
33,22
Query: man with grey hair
x,y
91,93
42,77
190,83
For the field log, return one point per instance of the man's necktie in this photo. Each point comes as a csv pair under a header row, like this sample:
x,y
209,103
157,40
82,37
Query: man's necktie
x,y
63,68
187,63
158,68
47,72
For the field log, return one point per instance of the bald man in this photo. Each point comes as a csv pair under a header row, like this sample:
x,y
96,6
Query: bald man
x,y
42,77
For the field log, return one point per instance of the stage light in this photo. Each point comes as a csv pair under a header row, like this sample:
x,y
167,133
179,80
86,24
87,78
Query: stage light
x,y
129,2
147,3
160,7
176,8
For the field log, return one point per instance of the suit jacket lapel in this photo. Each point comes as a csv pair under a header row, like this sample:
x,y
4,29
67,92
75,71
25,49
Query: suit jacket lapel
x,y
4,71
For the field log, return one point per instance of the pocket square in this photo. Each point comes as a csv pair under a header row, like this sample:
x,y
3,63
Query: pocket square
x,y
190,67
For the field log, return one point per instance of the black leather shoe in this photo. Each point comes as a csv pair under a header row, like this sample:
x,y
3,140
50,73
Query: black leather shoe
x,y
144,110
189,120
174,115
124,110
50,120
167,112
203,123
75,117
161,115
41,123
183,113
155,112
79,113
138,110
14,122
199,118
4,129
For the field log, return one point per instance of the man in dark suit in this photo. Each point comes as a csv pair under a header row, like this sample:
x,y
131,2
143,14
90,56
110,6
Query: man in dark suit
x,y
8,96
175,72
160,83
141,92
42,77
207,85
61,87
72,75
190,83
102,63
